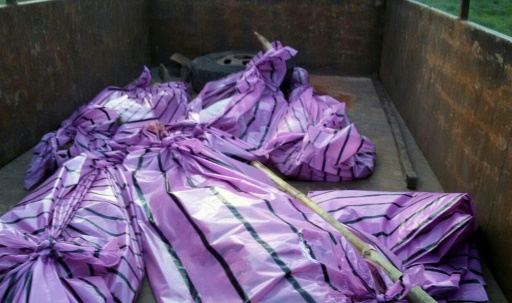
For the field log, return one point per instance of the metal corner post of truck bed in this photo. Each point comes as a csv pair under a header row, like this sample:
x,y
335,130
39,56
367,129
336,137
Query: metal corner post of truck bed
x,y
464,9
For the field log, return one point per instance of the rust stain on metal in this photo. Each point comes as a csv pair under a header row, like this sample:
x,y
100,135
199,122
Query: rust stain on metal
x,y
329,85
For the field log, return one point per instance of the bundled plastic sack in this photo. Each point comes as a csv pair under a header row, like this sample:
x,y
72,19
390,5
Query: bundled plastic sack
x,y
427,229
309,138
92,126
248,104
315,139
216,230
72,239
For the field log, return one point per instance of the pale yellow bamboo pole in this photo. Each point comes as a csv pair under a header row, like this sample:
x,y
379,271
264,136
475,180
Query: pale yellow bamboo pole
x,y
415,295
264,41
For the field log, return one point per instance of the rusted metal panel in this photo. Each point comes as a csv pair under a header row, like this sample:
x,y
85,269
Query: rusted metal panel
x,y
452,82
333,36
56,55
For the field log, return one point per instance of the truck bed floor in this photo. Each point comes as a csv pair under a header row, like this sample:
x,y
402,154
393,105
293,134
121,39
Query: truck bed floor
x,y
365,110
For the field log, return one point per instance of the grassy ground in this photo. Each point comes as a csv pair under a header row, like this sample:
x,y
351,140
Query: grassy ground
x,y
495,14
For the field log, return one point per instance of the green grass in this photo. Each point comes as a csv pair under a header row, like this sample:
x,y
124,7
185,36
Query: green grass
x,y
495,14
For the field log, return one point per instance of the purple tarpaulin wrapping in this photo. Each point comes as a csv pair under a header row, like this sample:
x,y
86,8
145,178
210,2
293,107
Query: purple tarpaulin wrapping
x,y
248,104
71,240
429,229
91,127
216,230
136,177
308,138
315,139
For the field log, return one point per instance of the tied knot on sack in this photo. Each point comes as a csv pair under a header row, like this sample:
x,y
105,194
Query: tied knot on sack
x,y
20,248
410,278
45,249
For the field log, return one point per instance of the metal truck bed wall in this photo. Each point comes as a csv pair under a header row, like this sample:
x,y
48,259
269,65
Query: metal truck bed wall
x,y
341,37
450,80
452,83
56,55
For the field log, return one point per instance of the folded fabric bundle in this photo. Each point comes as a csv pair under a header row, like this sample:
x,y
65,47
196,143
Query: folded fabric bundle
x,y
216,230
72,239
91,127
315,139
427,229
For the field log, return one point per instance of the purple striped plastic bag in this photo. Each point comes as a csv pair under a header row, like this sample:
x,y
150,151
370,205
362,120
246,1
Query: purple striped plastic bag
x,y
71,240
92,126
309,138
428,229
215,230
248,104
315,139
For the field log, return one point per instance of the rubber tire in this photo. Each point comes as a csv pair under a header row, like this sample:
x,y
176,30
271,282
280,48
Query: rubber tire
x,y
206,68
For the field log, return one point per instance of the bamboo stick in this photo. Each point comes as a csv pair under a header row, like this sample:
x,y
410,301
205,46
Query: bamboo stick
x,y
264,41
415,295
